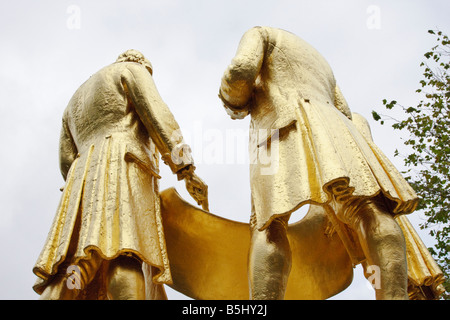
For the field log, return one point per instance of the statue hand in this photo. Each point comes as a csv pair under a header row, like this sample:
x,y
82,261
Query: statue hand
x,y
197,189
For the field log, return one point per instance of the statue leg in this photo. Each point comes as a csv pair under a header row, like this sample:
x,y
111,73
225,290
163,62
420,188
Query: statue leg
x,y
153,291
269,261
71,279
384,247
126,279
57,289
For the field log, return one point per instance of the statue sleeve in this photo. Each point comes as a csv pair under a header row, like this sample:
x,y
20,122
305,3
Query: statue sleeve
x,y
239,78
67,148
156,117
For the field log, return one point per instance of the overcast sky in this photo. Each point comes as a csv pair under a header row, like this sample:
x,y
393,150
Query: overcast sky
x,y
49,48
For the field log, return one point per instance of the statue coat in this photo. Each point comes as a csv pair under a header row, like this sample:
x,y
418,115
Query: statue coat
x,y
113,130
304,147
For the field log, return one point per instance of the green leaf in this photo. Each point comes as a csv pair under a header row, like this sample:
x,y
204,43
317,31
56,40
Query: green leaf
x,y
375,116
428,148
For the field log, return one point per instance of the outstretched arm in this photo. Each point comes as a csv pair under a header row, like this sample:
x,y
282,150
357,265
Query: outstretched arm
x,y
239,78
156,117
163,129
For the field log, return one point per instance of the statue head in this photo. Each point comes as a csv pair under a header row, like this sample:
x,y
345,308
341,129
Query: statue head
x,y
133,55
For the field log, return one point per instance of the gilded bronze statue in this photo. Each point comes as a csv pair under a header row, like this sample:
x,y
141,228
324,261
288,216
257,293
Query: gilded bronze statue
x,y
299,114
116,236
107,239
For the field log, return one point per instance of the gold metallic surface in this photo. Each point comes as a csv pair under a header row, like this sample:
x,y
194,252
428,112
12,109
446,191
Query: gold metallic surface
x,y
115,236
318,156
286,85
113,130
425,278
424,275
208,254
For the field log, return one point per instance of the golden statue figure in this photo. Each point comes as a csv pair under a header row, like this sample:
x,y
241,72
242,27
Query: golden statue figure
x,y
115,236
318,156
107,239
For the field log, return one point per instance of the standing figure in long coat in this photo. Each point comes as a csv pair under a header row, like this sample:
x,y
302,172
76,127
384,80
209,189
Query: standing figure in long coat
x,y
305,149
107,239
